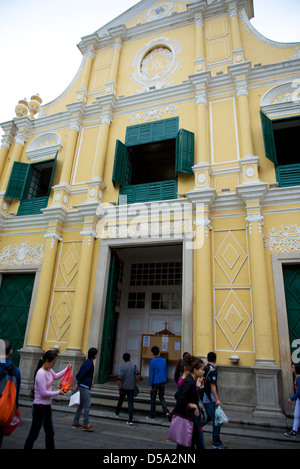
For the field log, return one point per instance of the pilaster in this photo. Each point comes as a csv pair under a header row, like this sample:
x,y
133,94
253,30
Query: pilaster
x,y
239,74
265,368
107,105
203,322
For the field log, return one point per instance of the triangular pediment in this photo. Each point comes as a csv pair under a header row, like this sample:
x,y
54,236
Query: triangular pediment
x,y
145,11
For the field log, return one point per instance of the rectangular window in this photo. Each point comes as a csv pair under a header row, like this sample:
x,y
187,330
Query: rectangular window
x,y
136,300
156,273
146,167
166,300
281,147
31,183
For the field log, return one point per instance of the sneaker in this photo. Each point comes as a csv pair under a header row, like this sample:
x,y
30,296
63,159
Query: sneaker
x,y
219,446
168,416
292,433
130,422
88,428
76,425
150,418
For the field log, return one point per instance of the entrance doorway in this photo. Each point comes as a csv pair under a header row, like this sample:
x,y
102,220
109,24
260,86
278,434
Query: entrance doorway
x,y
291,275
144,296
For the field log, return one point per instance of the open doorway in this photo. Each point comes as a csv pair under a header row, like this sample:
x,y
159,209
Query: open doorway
x,y
144,296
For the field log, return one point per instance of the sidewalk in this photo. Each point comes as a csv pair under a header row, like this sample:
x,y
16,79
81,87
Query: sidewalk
x,y
232,428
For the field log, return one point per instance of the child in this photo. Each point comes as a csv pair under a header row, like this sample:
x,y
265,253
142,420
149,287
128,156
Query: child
x,y
295,397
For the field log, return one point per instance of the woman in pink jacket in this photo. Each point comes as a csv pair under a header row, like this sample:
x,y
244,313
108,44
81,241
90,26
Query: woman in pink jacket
x,y
43,394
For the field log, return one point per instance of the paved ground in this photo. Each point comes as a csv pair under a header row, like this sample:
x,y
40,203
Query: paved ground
x,y
143,438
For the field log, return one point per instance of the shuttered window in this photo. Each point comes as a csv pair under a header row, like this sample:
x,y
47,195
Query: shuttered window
x,y
150,134
28,183
281,148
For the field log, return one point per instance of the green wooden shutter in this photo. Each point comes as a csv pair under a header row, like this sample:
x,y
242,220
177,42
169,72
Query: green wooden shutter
x,y
52,174
32,206
288,175
269,140
18,180
122,165
151,132
154,191
184,157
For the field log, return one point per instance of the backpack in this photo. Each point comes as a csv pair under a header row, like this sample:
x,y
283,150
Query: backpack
x,y
8,394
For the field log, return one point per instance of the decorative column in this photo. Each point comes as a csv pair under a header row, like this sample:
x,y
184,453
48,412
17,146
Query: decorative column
x,y
239,74
81,293
70,152
23,127
37,325
203,321
8,138
200,52
117,35
107,104
62,190
202,166
238,52
265,368
88,62
197,11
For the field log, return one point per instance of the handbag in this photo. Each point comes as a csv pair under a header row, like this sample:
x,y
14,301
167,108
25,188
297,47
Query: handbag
x,y
181,430
202,412
75,399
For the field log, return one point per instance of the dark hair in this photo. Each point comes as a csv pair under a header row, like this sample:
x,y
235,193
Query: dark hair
x,y
188,360
49,356
126,357
155,350
196,363
92,353
211,357
179,367
297,368
8,346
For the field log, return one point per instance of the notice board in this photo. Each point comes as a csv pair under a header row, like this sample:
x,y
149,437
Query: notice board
x,y
169,346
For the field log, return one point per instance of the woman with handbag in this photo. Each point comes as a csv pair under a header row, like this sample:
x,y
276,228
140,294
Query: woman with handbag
x,y
186,410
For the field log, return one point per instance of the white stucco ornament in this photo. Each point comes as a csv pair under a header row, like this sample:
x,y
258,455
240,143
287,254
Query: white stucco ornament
x,y
156,63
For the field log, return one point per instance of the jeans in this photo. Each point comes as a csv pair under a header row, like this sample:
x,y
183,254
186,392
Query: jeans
x,y
123,393
160,387
41,416
85,405
211,410
296,416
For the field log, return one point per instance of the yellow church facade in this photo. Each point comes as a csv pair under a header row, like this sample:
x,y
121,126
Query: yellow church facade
x,y
159,191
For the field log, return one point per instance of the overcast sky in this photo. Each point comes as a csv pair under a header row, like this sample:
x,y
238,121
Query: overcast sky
x,y
39,38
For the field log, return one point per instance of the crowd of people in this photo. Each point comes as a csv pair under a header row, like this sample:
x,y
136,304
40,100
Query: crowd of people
x,y
196,399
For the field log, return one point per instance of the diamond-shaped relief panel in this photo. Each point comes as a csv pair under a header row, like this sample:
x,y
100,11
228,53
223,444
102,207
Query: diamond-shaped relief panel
x,y
230,258
60,316
233,319
69,264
